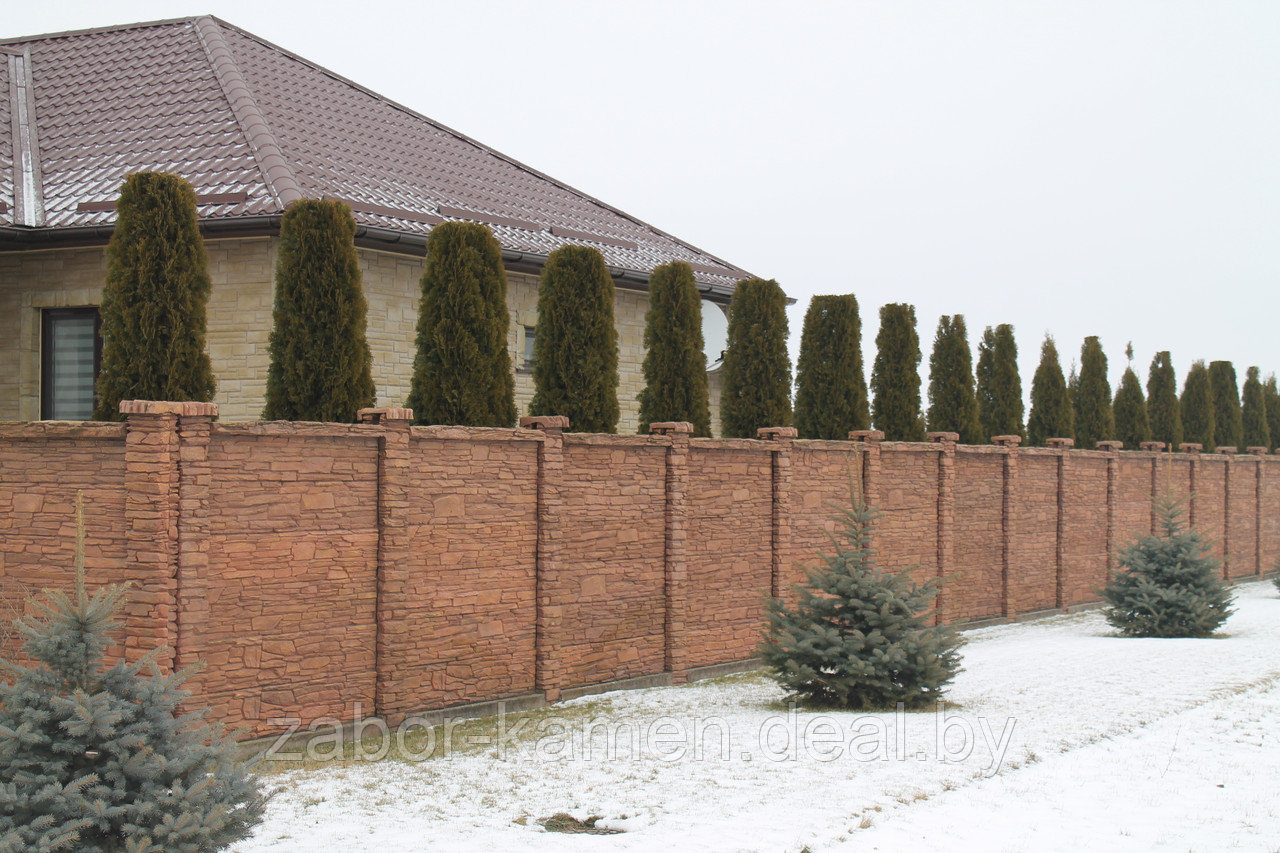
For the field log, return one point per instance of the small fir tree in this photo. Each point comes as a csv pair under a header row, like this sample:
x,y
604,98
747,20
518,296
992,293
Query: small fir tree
x,y
575,353
1168,586
1271,395
1257,433
858,636
1132,425
757,367
97,757
462,369
1000,409
895,376
1196,406
1095,420
831,390
1051,413
675,366
153,302
1228,420
953,405
1163,411
321,367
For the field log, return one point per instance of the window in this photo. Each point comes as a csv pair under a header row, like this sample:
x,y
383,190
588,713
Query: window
x,y
529,332
70,355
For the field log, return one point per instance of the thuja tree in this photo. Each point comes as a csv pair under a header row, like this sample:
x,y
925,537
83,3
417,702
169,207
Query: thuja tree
x,y
675,366
858,636
1228,421
153,301
575,353
1095,420
462,368
895,376
831,390
1163,411
1196,406
1051,413
953,404
96,756
757,368
1132,424
1257,433
321,368
1168,585
999,387
1271,393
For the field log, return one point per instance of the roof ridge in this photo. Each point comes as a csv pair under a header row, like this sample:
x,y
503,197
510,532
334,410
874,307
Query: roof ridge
x,y
276,172
164,22
465,138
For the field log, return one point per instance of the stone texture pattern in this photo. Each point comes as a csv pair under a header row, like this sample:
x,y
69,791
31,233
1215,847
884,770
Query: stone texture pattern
x,y
326,570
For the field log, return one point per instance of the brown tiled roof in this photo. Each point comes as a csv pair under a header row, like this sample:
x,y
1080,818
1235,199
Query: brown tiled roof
x,y
253,128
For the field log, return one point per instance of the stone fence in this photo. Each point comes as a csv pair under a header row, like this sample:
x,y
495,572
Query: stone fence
x,y
316,566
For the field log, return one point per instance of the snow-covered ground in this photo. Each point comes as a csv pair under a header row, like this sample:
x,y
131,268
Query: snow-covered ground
x,y
1060,737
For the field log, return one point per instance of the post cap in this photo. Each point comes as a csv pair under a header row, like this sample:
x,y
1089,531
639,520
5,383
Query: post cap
x,y
776,433
186,409
1227,449
383,414
1257,451
868,435
1154,446
943,437
1190,447
1061,443
1110,446
546,423
671,428
1006,440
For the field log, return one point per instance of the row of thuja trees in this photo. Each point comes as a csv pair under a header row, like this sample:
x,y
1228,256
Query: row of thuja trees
x,y
153,326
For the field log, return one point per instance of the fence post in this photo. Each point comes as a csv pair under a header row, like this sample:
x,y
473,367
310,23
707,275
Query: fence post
x,y
870,474
780,538
946,442
1112,449
1259,454
389,623
548,677
195,425
1154,448
1008,508
675,575
1192,450
1061,446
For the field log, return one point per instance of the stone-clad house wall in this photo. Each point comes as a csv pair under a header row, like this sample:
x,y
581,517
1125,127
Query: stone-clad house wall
x,y
317,566
239,323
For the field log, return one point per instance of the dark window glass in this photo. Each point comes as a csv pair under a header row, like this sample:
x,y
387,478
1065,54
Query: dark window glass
x,y
71,352
529,332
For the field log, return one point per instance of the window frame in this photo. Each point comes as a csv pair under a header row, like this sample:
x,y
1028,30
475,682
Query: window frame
x,y
47,318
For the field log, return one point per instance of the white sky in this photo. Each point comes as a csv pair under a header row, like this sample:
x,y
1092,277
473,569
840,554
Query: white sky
x,y
1106,167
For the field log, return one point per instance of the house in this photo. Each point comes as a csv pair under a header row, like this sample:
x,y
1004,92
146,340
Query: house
x,y
254,128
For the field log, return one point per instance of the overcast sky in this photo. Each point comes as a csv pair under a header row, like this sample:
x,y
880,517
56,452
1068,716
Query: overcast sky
x,y
1072,167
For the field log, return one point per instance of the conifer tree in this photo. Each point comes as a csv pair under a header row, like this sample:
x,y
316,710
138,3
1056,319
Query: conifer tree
x,y
1196,406
1051,412
97,756
1271,394
858,636
831,390
1162,401
153,302
1228,422
1257,433
1168,586
675,366
462,368
895,376
953,405
757,367
1095,420
1000,407
1132,424
575,353
321,367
